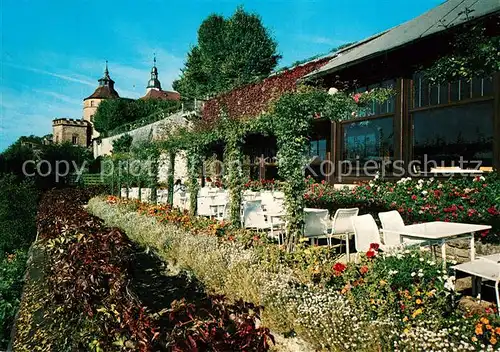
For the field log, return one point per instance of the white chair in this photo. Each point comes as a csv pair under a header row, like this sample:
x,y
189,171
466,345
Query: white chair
x,y
365,232
392,220
316,223
342,226
203,206
252,216
486,268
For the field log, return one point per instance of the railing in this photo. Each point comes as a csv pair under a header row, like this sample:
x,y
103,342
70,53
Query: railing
x,y
188,106
87,180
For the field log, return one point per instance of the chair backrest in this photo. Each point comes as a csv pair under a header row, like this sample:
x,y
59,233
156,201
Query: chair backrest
x,y
342,220
366,232
316,222
252,214
391,220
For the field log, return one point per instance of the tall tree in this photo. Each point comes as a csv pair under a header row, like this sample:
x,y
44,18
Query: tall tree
x,y
230,52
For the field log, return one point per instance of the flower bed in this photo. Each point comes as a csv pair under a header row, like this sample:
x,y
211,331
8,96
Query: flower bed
x,y
78,296
399,301
469,200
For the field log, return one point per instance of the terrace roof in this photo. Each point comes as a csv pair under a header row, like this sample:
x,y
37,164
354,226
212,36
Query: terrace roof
x,y
441,18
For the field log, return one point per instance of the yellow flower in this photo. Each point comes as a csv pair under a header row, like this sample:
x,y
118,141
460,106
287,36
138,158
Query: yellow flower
x,y
382,282
406,331
493,340
417,293
417,312
479,329
430,293
418,301
489,327
484,320
474,339
405,319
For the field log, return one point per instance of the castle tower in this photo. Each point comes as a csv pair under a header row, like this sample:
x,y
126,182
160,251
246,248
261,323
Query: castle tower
x,y
153,89
76,132
105,90
154,82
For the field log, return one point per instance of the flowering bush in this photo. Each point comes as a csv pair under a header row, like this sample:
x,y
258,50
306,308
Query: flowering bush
x,y
469,200
389,301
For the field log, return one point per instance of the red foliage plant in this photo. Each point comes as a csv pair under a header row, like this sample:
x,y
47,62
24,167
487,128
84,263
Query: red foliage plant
x,y
88,270
253,99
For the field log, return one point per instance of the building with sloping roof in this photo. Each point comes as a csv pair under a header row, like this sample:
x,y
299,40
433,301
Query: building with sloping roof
x,y
81,132
425,126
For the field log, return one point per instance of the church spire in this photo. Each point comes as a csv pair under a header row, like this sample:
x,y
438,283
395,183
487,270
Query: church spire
x,y
153,82
106,80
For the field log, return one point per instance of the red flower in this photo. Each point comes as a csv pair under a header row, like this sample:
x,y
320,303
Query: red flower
x,y
363,270
485,233
356,97
414,197
374,246
371,253
339,268
437,193
492,210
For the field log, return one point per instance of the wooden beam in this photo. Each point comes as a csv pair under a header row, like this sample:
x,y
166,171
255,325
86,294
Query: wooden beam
x,y
496,121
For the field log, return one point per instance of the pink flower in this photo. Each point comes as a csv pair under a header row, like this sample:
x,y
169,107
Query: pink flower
x,y
356,97
414,197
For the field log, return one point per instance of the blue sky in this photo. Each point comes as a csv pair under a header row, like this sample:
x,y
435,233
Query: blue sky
x,y
53,52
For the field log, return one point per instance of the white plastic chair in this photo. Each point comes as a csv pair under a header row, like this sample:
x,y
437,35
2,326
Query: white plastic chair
x,y
342,226
316,223
486,268
392,220
365,232
252,216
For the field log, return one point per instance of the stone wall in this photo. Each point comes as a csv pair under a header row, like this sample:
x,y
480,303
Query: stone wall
x,y
154,131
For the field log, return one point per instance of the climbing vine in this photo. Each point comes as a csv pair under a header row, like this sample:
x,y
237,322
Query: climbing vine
x,y
474,54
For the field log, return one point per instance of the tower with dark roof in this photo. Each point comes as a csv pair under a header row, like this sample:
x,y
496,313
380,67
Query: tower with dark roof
x,y
105,90
154,82
153,89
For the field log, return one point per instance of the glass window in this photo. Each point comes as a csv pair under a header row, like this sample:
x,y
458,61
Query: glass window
x,y
445,134
74,139
425,94
369,140
378,108
317,148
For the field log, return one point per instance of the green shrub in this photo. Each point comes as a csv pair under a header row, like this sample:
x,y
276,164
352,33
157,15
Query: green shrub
x,y
18,205
11,283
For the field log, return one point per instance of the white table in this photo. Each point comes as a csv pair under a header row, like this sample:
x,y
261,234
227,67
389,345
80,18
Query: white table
x,y
441,232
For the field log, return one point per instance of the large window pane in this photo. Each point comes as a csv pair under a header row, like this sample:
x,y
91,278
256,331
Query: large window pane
x,y
445,134
369,140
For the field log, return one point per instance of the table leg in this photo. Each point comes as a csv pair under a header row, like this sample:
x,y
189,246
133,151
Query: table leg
x,y
443,253
472,248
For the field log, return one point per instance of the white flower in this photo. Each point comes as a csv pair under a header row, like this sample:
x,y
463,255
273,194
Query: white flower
x,y
333,91
424,192
420,274
421,259
413,274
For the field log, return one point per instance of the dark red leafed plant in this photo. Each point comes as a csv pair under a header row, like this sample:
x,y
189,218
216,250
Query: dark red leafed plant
x,y
88,271
253,99
212,325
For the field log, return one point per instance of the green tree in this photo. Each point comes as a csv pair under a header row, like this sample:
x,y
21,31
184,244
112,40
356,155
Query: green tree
x,y
21,158
229,53
122,144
